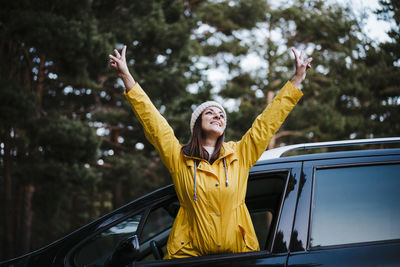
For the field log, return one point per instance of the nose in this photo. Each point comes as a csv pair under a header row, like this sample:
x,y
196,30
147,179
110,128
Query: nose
x,y
217,116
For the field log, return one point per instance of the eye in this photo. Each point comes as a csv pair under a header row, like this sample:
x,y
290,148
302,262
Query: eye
x,y
222,115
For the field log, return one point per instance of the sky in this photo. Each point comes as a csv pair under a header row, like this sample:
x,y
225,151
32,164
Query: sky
x,y
376,29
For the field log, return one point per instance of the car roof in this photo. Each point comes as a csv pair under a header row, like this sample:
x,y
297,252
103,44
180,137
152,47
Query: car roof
x,y
331,155
315,151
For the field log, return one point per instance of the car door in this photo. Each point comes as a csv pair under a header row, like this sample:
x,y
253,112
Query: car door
x,y
348,213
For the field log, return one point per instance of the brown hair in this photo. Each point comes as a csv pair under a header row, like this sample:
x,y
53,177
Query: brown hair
x,y
195,146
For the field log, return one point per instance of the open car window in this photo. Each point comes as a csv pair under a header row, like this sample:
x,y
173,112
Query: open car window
x,y
264,199
153,238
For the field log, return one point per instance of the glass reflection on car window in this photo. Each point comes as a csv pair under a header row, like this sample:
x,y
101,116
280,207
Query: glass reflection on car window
x,y
128,226
110,220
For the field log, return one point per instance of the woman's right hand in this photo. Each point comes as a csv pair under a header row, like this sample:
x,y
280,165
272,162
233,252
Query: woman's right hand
x,y
118,62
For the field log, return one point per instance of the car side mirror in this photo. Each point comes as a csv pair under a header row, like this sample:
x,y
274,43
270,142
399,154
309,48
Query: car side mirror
x,y
126,252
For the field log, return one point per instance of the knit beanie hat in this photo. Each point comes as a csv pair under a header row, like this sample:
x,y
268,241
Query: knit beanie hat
x,y
197,112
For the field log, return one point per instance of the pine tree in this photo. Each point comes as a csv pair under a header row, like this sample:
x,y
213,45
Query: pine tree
x,y
46,48
382,104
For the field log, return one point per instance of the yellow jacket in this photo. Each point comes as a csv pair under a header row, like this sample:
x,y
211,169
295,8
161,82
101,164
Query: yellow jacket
x,y
218,222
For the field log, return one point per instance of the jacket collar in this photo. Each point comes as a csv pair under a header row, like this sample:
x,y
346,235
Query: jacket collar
x,y
227,152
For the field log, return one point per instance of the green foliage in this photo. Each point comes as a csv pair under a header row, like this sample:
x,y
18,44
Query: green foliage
x,y
16,105
65,192
228,16
66,140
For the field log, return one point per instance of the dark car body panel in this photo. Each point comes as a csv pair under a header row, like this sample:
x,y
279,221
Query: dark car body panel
x,y
386,254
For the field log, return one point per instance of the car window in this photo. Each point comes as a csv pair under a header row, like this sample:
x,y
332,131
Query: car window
x,y
262,221
157,228
355,204
263,199
158,221
98,249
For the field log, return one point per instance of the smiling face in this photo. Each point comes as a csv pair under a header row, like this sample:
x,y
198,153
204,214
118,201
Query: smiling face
x,y
213,122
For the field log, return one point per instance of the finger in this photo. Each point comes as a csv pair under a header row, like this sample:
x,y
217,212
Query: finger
x,y
117,60
301,55
113,64
123,53
308,63
295,54
117,53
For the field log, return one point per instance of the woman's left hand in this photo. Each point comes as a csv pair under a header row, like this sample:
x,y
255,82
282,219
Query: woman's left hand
x,y
302,65
118,62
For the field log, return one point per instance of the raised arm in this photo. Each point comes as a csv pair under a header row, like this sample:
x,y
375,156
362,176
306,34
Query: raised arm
x,y
156,128
256,139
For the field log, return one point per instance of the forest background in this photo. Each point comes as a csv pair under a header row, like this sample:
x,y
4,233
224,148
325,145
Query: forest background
x,y
71,149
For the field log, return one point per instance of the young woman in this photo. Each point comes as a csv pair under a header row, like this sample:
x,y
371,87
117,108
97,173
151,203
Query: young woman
x,y
210,175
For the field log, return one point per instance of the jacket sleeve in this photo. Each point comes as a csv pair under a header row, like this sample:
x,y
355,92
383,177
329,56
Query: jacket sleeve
x,y
156,128
257,138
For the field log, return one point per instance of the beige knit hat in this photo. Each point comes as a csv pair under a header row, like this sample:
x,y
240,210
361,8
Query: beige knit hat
x,y
197,112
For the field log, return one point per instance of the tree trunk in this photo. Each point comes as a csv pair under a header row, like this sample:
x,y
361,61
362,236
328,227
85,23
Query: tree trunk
x,y
117,195
26,229
40,85
103,200
18,213
8,229
73,213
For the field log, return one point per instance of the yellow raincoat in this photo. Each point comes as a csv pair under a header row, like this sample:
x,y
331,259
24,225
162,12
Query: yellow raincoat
x,y
218,222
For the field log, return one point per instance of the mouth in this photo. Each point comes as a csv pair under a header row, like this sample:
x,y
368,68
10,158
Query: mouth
x,y
216,123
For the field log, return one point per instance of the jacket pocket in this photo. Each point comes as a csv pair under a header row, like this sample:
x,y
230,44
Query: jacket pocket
x,y
176,246
250,242
181,240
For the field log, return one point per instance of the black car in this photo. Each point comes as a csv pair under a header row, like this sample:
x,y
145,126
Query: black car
x,y
337,208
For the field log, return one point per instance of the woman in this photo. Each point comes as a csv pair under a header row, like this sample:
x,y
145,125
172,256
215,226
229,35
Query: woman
x,y
210,175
